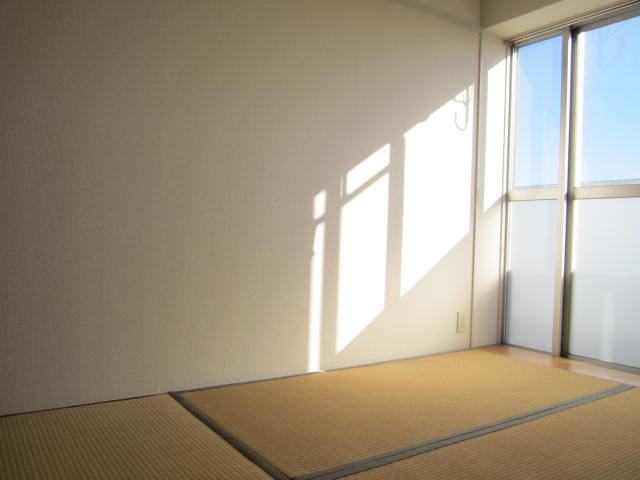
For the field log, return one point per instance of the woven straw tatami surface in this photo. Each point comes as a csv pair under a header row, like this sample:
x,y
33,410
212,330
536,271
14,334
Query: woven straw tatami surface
x,y
312,422
144,438
596,441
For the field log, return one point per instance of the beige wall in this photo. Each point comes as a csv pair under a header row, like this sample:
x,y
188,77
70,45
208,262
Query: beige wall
x,y
160,162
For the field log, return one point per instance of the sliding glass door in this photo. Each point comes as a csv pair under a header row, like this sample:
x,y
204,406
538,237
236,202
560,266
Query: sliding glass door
x,y
535,180
605,263
573,252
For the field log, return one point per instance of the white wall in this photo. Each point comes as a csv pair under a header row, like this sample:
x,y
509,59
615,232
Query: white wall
x,y
490,200
160,162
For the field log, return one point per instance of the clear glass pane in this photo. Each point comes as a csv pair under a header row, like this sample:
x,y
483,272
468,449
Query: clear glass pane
x,y
605,307
608,120
531,272
537,142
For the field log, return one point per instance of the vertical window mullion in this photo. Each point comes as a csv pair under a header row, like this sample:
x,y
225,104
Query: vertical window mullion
x,y
507,185
574,113
563,194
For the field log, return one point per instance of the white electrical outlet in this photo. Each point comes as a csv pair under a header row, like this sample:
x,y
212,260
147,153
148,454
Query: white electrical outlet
x,y
461,324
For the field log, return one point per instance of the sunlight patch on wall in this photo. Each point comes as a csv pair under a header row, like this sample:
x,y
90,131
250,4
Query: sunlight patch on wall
x,y
437,187
316,282
363,247
315,303
367,169
495,126
319,205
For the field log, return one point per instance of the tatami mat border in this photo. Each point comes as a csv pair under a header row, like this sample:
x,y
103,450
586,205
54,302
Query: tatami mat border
x,y
374,461
231,439
386,458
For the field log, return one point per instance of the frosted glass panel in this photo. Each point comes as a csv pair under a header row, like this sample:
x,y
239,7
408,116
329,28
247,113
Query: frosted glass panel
x,y
608,144
530,277
537,143
605,309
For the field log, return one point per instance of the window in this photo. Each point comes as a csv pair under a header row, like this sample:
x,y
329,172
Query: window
x,y
608,101
573,274
537,141
534,220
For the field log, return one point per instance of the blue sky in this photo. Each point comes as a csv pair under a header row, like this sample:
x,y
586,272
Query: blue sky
x,y
610,76
611,104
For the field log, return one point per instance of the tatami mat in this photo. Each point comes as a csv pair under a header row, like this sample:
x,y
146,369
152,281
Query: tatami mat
x,y
309,423
144,438
596,441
